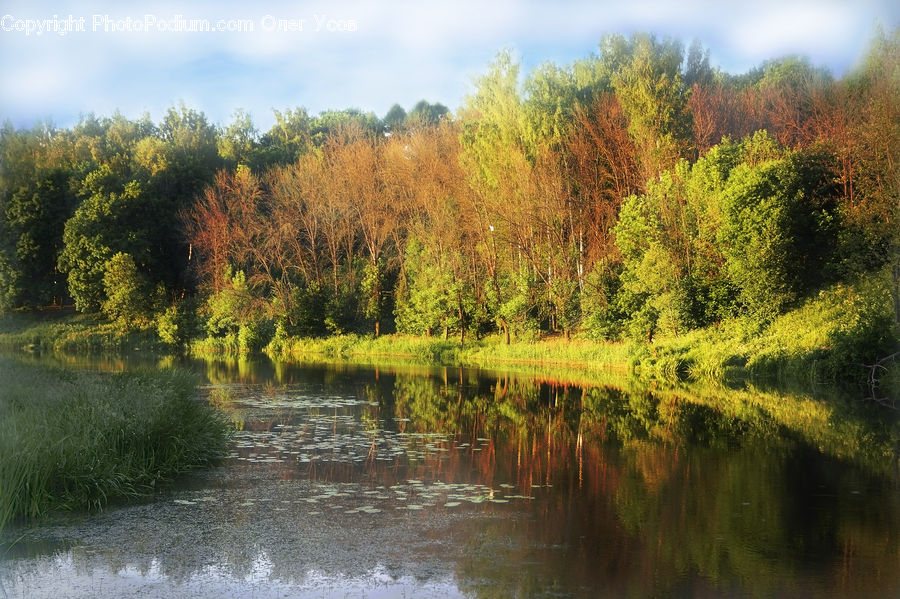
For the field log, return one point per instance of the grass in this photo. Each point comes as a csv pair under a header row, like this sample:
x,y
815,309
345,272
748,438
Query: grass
x,y
72,440
67,331
831,336
486,352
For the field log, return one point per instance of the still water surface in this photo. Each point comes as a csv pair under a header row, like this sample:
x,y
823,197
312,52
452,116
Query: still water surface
x,y
363,481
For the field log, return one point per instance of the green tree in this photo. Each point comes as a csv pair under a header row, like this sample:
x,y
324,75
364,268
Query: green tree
x,y
424,114
238,142
749,228
331,123
395,118
36,198
36,215
779,230
102,225
287,140
234,315
127,298
652,91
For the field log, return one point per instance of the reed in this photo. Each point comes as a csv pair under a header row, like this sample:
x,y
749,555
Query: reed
x,y
72,440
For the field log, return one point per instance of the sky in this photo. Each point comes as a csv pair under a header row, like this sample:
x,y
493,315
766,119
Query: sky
x,y
60,60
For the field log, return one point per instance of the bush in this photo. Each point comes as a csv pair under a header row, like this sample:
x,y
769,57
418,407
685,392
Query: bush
x,y
126,291
177,325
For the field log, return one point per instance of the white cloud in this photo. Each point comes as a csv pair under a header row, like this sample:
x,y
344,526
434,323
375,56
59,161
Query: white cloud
x,y
821,28
399,52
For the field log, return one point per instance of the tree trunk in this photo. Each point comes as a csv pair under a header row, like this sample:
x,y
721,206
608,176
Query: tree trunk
x,y
377,328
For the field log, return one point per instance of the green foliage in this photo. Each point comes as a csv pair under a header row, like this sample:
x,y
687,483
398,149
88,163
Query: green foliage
x,y
337,122
127,297
779,232
36,215
832,335
600,303
230,307
373,290
424,114
237,143
512,301
99,228
287,140
829,337
177,325
569,199
650,86
235,319
748,229
309,302
60,330
9,283
429,302
78,441
395,118
342,310
495,129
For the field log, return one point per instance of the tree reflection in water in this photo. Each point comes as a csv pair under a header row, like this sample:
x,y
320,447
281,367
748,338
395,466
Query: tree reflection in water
x,y
525,486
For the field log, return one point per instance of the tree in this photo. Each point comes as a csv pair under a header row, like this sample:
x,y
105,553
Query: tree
x,y
395,118
350,122
36,198
127,296
424,114
103,224
287,140
651,89
749,228
36,216
779,227
875,205
603,172
238,142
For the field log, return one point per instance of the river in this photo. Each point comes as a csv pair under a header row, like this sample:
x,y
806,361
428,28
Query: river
x,y
408,481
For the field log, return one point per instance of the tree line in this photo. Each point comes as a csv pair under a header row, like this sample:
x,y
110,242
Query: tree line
x,y
635,192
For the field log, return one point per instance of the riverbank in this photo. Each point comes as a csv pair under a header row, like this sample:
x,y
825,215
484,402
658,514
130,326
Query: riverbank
x,y
74,440
837,335
68,331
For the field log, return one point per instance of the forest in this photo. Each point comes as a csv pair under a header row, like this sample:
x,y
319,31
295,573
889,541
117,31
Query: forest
x,y
636,193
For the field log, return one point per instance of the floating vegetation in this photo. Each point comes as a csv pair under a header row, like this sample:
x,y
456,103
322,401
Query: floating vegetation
x,y
304,435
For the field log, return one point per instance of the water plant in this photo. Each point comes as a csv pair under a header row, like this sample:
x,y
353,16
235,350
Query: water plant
x,y
72,440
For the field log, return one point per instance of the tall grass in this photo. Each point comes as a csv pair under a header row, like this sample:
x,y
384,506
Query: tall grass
x,y
830,337
488,351
551,351
73,440
66,331
426,350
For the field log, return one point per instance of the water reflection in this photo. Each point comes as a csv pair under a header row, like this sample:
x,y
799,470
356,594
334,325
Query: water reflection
x,y
458,482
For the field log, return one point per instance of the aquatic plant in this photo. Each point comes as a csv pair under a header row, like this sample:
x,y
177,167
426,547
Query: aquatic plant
x,y
72,440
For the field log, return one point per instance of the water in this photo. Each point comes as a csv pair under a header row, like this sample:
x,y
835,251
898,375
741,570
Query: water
x,y
403,481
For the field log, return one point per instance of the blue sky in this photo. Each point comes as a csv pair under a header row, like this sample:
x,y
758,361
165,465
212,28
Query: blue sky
x,y
366,54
